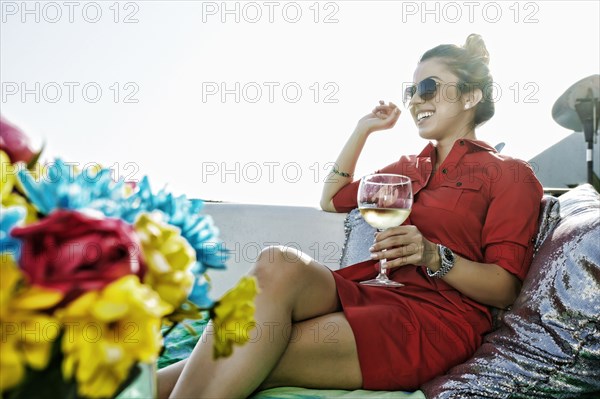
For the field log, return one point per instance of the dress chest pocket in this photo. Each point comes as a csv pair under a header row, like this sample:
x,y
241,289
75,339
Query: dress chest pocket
x,y
450,194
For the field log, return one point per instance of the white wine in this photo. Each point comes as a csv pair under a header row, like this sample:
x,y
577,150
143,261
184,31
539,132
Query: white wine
x,y
384,218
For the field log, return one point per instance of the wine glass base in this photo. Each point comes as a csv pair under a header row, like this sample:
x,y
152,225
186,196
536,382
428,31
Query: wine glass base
x,y
382,283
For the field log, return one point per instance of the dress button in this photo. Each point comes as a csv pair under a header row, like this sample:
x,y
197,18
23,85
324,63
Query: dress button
x,y
444,171
462,142
458,184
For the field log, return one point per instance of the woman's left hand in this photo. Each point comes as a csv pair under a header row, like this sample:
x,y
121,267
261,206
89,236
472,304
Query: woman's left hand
x,y
405,245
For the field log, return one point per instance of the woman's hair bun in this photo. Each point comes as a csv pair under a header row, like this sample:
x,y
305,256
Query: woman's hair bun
x,y
476,47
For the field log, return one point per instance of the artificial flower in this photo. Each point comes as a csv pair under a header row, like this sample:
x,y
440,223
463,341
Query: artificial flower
x,y
60,185
7,175
8,196
27,333
233,317
83,310
169,258
63,187
15,143
199,295
9,218
11,186
16,200
197,228
75,252
109,331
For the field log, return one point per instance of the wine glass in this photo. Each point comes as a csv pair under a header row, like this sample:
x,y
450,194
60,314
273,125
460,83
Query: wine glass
x,y
384,201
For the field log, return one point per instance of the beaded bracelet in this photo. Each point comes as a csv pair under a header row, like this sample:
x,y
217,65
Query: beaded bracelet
x,y
343,174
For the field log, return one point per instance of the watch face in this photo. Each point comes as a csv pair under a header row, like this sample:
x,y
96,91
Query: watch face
x,y
448,255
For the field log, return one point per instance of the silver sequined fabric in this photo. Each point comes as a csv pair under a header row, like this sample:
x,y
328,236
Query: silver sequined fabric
x,y
548,345
359,238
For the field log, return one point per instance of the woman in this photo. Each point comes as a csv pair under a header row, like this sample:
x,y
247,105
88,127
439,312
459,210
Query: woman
x,y
465,247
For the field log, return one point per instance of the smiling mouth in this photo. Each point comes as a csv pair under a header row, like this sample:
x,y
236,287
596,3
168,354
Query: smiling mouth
x,y
424,115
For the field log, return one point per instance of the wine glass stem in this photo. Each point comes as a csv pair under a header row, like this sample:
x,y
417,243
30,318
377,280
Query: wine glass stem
x,y
382,269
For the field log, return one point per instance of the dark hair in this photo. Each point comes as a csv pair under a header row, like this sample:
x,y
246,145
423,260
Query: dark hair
x,y
470,65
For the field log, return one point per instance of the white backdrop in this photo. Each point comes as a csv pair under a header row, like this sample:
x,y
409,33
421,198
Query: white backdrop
x,y
251,101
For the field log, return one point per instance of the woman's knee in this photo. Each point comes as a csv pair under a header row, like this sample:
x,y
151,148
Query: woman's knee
x,y
280,263
281,254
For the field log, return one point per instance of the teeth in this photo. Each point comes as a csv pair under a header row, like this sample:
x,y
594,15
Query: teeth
x,y
422,115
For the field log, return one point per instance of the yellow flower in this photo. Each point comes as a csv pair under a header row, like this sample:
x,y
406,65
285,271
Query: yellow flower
x,y
169,258
7,175
9,197
108,331
233,317
27,334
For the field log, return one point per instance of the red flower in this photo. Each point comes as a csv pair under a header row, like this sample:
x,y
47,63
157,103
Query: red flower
x,y
75,253
15,143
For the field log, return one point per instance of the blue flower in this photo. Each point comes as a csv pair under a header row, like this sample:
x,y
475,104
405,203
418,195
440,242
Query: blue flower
x,y
59,186
9,218
199,294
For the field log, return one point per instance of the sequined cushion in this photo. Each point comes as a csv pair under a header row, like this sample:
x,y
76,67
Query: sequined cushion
x,y
549,344
359,238
548,218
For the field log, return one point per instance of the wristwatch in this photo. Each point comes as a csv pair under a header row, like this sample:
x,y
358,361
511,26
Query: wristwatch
x,y
447,258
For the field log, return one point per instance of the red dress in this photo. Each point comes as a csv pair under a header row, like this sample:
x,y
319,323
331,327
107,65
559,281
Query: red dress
x,y
482,205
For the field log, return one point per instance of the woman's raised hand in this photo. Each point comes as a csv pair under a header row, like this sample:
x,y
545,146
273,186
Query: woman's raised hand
x,y
381,118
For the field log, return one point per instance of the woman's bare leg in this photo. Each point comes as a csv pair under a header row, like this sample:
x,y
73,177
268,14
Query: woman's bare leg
x,y
321,354
293,288
167,378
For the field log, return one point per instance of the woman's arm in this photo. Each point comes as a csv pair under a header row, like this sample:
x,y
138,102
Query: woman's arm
x,y
382,117
483,282
346,162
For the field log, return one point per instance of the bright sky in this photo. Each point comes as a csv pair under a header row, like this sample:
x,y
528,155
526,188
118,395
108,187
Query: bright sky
x,y
255,109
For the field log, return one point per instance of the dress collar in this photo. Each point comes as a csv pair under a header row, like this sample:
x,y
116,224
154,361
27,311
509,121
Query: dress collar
x,y
472,146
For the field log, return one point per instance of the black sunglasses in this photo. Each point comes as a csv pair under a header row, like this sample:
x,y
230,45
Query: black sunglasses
x,y
426,89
